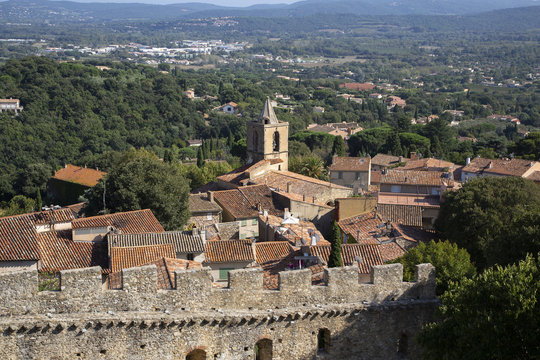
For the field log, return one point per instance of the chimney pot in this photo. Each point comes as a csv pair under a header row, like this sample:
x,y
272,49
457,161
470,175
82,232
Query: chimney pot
x,y
210,196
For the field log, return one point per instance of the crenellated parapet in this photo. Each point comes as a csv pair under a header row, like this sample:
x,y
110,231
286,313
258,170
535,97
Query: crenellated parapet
x,y
82,290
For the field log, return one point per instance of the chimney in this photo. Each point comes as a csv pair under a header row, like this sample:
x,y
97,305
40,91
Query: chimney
x,y
490,165
401,159
289,187
210,195
414,156
304,197
467,161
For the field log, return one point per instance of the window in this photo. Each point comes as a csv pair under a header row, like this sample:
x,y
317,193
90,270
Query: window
x,y
275,143
243,223
357,175
395,188
209,216
254,222
243,236
224,273
323,341
435,191
190,256
340,175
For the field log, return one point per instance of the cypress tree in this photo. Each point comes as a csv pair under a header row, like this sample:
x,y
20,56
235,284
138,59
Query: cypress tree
x,y
335,247
39,202
200,157
338,147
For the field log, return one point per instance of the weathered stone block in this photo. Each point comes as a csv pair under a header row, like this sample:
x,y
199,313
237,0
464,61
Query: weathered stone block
x,y
194,283
387,275
291,282
246,279
345,277
424,275
79,282
141,279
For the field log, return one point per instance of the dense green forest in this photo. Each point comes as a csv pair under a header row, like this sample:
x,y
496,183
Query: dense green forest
x,y
75,113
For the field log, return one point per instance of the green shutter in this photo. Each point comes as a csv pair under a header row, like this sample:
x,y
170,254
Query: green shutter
x,y
224,273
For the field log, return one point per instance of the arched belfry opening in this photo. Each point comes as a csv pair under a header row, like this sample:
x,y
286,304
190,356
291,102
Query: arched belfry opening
x,y
263,349
197,354
275,141
255,141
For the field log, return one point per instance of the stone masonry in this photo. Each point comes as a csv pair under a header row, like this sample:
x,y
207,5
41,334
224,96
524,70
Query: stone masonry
x,y
375,320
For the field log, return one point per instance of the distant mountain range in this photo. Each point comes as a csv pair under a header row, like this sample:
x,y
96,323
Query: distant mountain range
x,y
67,11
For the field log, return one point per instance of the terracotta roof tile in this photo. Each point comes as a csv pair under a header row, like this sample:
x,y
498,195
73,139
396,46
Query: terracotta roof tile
x,y
402,214
165,272
58,252
429,164
270,252
139,221
244,201
509,167
79,175
414,233
358,86
369,254
391,251
364,228
408,199
412,177
229,251
184,241
128,257
302,230
350,164
386,160
199,203
18,235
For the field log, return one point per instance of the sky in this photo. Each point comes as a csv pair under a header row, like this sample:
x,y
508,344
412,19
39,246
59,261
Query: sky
x,y
216,2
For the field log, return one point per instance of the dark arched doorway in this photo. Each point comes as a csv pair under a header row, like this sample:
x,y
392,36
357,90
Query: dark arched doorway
x,y
263,349
197,354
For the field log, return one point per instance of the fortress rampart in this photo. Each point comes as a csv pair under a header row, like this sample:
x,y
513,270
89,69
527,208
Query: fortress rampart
x,y
344,319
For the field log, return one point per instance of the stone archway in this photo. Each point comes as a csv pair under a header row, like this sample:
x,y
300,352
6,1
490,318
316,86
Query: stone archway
x,y
263,349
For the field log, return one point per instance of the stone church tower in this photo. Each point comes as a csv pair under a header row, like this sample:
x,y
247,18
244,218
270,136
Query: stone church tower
x,y
268,138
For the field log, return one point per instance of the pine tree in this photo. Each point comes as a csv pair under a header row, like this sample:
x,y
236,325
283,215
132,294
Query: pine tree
x,y
168,156
335,247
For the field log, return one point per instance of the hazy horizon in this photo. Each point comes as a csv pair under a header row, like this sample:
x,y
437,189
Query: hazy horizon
x,y
233,3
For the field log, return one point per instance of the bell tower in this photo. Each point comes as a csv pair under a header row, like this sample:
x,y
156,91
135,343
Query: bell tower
x,y
267,137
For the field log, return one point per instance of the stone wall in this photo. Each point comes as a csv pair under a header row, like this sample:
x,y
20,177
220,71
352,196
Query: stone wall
x,y
377,320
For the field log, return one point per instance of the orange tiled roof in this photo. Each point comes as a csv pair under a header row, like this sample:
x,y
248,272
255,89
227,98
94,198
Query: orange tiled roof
x,y
79,175
509,167
138,221
364,228
412,177
225,251
407,199
240,176
58,252
271,251
244,201
427,164
343,163
128,257
386,160
18,235
165,272
303,229
369,254
402,214
391,251
358,86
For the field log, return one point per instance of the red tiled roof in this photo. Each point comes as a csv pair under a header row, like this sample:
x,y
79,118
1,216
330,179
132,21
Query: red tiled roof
x,y
18,235
391,251
58,252
225,251
304,229
299,197
240,176
350,164
363,228
79,175
534,176
165,272
427,164
386,160
412,177
271,251
200,203
138,221
243,202
358,86
402,214
414,233
407,199
509,167
128,257
368,253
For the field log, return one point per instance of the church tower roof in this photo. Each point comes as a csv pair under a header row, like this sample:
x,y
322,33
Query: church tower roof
x,y
268,116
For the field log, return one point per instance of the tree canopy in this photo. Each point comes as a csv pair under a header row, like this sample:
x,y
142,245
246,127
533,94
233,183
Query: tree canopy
x,y
451,262
496,219
493,315
143,183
